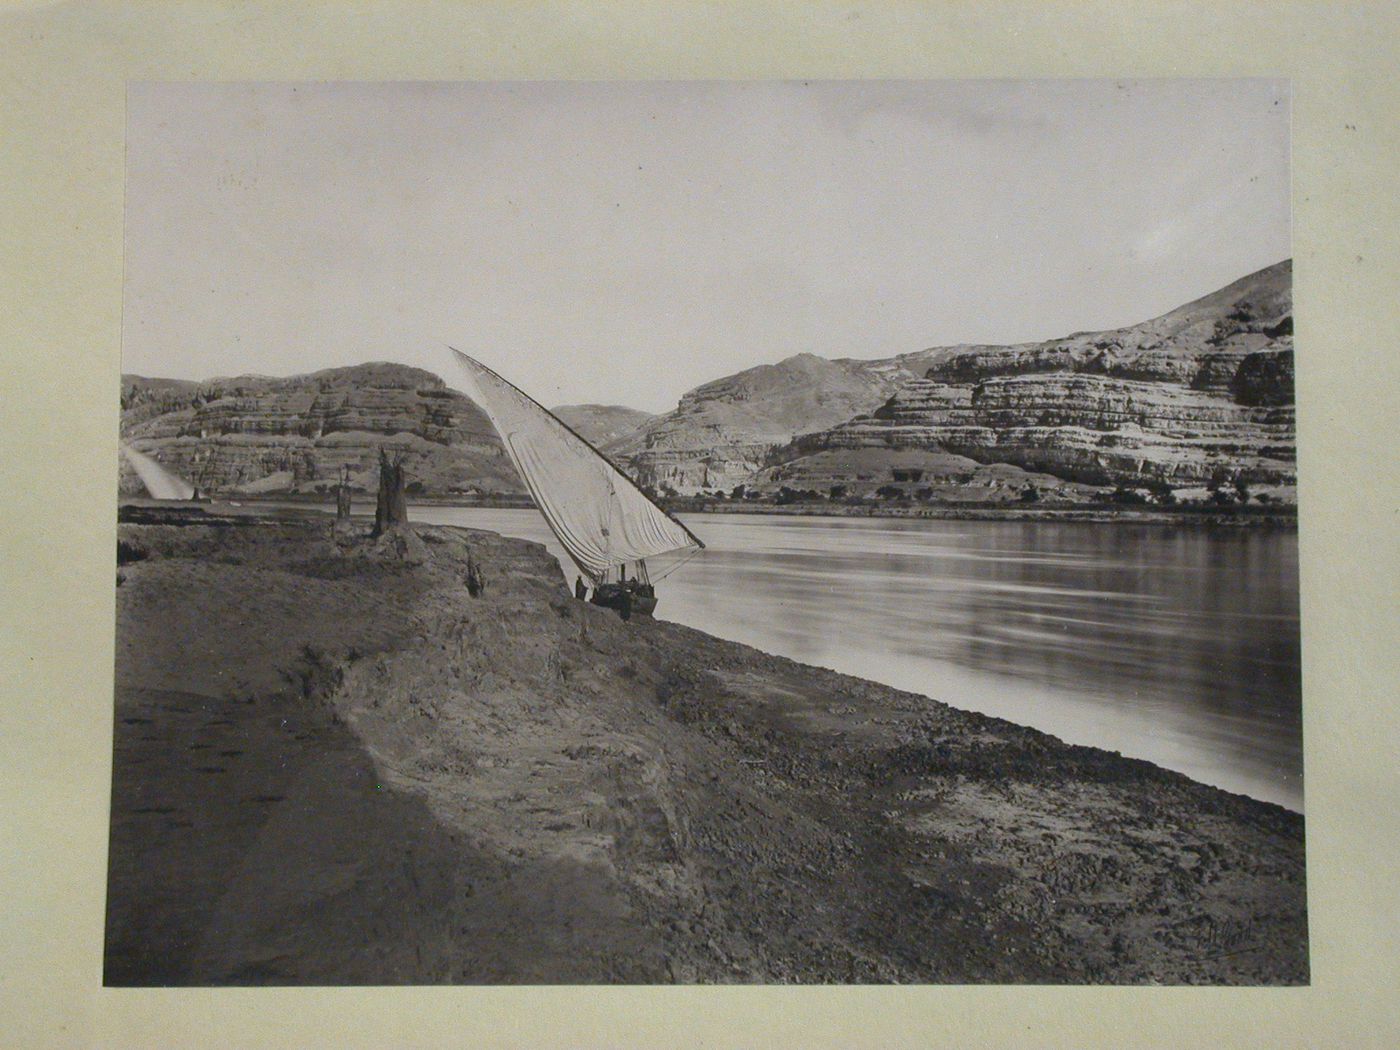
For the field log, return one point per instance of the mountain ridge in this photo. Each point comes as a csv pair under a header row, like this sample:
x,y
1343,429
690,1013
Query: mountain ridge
x,y
1201,394
296,434
1213,403
602,424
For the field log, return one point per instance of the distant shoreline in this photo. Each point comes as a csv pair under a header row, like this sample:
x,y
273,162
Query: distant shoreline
x,y
1282,516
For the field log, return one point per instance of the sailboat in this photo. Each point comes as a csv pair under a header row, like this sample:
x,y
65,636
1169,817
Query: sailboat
x,y
605,522
160,482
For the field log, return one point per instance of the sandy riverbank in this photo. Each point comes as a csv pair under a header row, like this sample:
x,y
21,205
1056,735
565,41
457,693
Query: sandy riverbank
x,y
333,766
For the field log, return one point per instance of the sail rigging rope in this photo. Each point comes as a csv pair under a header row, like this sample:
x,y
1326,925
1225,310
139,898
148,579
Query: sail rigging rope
x,y
693,552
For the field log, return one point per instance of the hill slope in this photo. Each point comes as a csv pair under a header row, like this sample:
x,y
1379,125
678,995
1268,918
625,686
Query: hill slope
x,y
602,424
1205,391
722,432
256,434
1201,394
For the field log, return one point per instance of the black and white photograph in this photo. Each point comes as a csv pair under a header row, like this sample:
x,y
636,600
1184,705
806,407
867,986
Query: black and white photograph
x,y
783,532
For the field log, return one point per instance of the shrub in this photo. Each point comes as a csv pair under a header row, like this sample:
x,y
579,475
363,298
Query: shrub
x,y
1126,495
1161,492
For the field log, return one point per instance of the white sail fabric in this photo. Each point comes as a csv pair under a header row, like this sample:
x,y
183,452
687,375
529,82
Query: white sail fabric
x,y
159,482
601,518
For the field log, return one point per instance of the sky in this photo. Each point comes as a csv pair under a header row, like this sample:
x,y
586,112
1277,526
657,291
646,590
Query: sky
x,y
624,242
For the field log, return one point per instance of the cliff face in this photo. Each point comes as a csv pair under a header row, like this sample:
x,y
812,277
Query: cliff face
x,y
1199,345
259,434
1204,392
1081,427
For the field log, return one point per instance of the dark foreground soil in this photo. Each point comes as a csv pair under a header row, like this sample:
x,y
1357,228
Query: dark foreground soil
x,y
334,766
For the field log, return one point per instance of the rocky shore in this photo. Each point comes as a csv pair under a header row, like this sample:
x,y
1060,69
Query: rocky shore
x,y
334,766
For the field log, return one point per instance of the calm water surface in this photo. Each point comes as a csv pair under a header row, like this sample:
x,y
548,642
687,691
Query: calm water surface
x,y
1177,645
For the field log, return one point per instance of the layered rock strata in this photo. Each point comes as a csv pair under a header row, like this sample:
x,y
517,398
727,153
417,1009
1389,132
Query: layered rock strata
x,y
1089,428
1203,394
257,434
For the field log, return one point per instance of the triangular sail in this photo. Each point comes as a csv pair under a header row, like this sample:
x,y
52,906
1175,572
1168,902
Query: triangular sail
x,y
599,515
159,482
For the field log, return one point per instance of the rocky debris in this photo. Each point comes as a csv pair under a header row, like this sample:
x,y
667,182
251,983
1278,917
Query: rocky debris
x,y
332,766
868,471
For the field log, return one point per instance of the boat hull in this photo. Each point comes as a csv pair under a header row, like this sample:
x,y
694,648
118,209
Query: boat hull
x,y
626,601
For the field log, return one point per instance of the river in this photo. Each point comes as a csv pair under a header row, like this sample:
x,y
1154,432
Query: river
x,y
1179,645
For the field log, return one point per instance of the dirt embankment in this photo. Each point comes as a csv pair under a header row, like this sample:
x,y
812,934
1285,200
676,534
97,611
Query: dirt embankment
x,y
334,766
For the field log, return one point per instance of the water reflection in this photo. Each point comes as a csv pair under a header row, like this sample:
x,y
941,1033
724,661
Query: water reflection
x,y
1179,645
